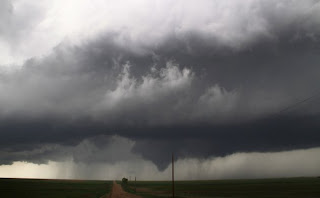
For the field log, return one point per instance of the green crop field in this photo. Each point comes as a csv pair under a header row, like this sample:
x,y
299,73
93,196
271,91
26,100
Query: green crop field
x,y
38,188
250,188
255,188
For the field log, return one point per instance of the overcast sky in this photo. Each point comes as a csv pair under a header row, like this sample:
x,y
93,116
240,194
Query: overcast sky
x,y
104,89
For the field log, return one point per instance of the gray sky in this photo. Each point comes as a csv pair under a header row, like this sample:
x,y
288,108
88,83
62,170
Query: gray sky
x,y
119,85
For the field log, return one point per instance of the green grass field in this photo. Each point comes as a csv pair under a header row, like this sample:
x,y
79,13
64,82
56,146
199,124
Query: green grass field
x,y
37,188
253,188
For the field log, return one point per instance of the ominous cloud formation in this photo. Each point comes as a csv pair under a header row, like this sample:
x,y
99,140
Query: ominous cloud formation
x,y
111,82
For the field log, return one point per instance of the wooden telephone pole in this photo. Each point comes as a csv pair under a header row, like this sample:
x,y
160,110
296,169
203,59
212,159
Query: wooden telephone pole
x,y
172,176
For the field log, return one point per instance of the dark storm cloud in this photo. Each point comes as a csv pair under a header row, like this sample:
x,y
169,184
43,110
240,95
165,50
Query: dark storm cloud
x,y
90,150
265,135
194,92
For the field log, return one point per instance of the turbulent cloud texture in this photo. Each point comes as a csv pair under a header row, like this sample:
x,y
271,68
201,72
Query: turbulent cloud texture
x,y
203,79
238,165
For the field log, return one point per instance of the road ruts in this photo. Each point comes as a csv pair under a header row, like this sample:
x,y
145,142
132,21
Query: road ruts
x,y
118,192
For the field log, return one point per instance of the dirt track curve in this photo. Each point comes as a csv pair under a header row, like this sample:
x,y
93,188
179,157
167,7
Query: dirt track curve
x,y
118,192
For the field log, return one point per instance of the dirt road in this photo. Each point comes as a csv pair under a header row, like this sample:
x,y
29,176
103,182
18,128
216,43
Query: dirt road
x,y
117,192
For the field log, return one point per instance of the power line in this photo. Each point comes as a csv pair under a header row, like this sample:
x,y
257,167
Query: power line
x,y
298,103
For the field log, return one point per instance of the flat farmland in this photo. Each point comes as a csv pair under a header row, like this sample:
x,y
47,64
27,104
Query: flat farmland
x,y
251,188
255,188
40,188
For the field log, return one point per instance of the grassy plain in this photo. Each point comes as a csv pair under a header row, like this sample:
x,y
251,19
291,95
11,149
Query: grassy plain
x,y
39,188
249,188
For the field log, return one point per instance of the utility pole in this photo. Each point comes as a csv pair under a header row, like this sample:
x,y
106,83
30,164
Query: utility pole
x,y
135,184
172,176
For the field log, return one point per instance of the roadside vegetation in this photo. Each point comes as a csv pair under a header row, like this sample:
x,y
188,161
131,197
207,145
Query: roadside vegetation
x,y
127,187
